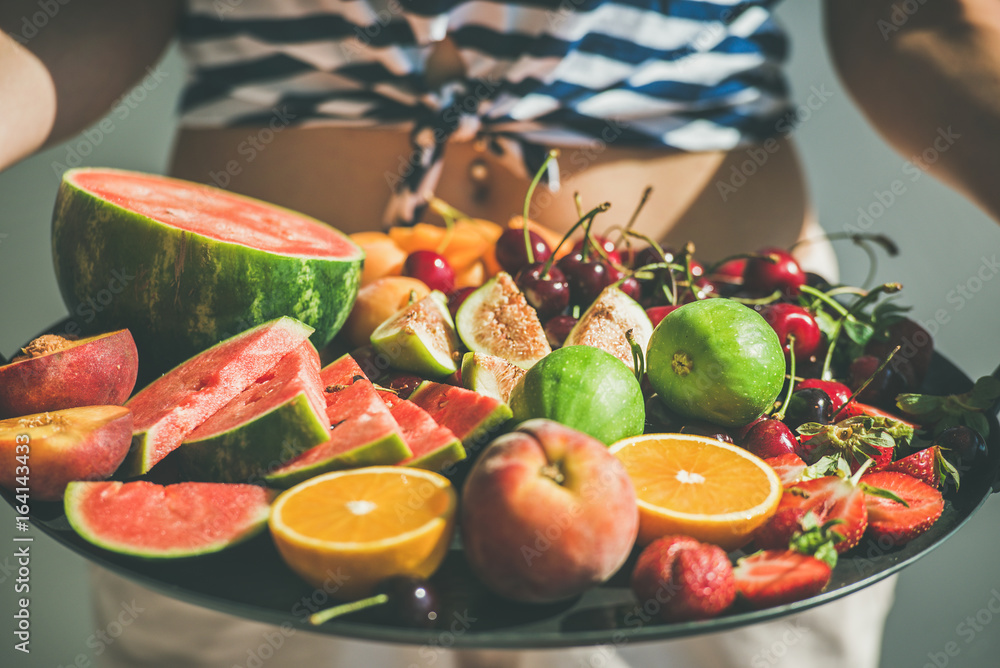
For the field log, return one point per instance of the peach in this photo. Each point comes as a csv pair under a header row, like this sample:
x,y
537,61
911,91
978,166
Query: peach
x,y
45,452
547,513
55,373
382,256
376,302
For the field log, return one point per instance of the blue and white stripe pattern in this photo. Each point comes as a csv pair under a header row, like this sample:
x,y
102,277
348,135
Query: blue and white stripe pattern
x,y
692,75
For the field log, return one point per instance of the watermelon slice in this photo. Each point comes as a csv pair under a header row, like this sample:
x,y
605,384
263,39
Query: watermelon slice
x,y
186,265
434,447
174,405
362,432
474,418
282,414
144,519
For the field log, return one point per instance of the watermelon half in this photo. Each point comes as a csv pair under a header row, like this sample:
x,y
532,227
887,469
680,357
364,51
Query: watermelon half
x,y
282,414
174,405
362,430
185,265
144,519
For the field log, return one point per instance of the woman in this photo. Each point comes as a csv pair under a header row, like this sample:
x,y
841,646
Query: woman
x,y
700,117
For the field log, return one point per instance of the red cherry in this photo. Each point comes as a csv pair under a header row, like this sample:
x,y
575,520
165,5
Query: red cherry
x,y
770,438
792,320
431,268
511,253
548,292
658,313
603,243
558,328
731,270
762,276
631,287
838,392
457,298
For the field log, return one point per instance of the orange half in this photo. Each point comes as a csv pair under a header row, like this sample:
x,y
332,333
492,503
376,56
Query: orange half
x,y
698,486
348,530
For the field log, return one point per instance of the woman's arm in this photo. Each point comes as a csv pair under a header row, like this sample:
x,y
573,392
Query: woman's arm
x,y
63,64
927,75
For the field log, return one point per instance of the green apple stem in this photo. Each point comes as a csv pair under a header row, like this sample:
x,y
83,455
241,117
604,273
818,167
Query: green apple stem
x,y
553,154
324,616
600,208
865,384
780,415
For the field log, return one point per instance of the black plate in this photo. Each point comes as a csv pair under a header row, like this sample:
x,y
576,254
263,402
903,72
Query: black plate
x,y
251,581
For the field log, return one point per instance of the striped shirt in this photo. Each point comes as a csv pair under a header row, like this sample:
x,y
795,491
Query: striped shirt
x,y
692,75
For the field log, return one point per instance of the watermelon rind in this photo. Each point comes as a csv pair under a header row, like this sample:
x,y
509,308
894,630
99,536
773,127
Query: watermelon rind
x,y
76,491
142,454
435,447
179,292
390,449
247,452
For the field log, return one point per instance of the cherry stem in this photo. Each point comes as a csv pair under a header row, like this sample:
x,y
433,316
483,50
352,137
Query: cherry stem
x,y
553,154
826,299
828,359
780,415
865,384
672,296
635,214
882,240
688,253
578,203
769,299
600,208
323,616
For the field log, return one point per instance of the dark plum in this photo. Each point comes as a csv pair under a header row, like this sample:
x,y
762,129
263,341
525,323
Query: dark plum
x,y
963,446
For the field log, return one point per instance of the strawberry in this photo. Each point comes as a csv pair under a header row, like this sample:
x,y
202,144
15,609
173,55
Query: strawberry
x,y
828,498
858,439
788,466
928,465
686,579
775,577
898,523
856,408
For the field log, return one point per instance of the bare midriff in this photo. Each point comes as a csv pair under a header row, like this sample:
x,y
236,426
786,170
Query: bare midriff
x,y
725,202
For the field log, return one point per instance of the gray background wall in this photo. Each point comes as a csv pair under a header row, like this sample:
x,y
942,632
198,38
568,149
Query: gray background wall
x,y
944,241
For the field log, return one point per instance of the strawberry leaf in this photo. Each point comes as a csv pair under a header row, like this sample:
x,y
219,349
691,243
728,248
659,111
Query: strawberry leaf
x,y
817,540
919,404
946,468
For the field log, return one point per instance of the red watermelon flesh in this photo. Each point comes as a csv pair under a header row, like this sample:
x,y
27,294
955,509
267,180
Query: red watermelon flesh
x,y
472,417
298,371
362,433
217,214
434,447
177,403
282,414
145,519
